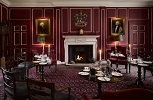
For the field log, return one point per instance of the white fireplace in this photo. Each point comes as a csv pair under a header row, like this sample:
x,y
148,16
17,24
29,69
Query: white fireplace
x,y
80,40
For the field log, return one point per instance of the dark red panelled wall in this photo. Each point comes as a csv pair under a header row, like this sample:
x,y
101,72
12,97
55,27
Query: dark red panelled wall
x,y
3,19
138,27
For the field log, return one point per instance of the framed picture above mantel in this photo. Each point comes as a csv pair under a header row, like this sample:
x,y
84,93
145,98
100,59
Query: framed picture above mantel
x,y
42,27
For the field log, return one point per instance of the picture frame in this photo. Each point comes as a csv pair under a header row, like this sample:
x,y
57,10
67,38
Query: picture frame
x,y
42,27
117,26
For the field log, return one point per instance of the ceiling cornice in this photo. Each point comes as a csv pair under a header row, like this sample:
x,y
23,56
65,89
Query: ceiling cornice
x,y
78,4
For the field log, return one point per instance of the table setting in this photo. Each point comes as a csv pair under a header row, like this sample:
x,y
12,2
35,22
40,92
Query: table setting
x,y
101,71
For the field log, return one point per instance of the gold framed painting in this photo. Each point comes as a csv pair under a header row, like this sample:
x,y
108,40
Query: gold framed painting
x,y
42,27
117,26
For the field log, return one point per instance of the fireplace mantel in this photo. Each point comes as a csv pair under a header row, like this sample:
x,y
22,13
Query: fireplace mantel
x,y
80,40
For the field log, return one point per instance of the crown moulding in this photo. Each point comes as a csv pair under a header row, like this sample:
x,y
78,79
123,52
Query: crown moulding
x,y
82,3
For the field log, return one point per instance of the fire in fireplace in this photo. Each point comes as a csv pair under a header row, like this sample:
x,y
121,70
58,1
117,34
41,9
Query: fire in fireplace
x,y
80,53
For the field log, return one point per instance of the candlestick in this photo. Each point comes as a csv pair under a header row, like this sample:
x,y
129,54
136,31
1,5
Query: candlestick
x,y
48,47
130,47
115,45
100,53
43,48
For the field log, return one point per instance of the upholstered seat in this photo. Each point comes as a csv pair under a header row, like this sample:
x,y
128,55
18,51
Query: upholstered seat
x,y
125,94
120,60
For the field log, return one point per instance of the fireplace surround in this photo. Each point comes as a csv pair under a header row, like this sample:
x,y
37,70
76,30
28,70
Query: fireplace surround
x,y
79,41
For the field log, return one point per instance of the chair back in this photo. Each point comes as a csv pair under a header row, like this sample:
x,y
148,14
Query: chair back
x,y
127,94
9,83
9,63
38,90
21,57
119,49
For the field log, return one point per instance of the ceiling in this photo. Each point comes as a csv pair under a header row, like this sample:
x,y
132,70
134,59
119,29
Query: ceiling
x,y
58,3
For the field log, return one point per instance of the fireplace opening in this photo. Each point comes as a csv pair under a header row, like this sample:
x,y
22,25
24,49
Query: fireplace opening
x,y
80,53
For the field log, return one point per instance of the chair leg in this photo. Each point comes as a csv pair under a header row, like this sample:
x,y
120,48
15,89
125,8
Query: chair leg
x,y
55,67
152,73
144,73
129,68
126,68
69,96
5,96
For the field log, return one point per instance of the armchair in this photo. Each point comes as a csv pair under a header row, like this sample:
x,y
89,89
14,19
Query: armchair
x,y
125,94
119,60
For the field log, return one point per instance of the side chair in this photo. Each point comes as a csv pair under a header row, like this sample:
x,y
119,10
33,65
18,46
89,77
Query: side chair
x,y
13,88
23,63
40,90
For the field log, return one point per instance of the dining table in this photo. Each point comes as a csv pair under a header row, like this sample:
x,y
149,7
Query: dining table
x,y
100,78
40,62
140,64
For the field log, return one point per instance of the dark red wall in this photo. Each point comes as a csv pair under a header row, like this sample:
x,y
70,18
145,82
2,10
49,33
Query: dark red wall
x,y
3,19
62,23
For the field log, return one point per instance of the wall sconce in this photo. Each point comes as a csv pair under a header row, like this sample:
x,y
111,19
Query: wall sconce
x,y
80,21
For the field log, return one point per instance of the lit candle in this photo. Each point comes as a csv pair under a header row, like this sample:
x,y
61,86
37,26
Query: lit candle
x,y
130,47
48,47
100,53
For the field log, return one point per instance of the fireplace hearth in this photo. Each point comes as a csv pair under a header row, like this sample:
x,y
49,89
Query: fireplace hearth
x,y
80,53
83,50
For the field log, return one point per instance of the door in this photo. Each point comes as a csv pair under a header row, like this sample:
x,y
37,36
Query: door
x,y
139,36
20,31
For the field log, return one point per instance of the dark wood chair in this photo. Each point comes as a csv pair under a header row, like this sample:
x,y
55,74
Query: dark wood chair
x,y
40,90
125,94
119,60
23,63
146,56
13,88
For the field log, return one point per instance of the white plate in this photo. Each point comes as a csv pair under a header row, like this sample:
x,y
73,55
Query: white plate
x,y
99,74
142,64
86,70
147,62
83,73
42,63
117,74
36,61
103,78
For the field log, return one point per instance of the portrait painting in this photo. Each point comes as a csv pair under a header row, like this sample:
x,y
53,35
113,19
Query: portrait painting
x,y
42,27
117,26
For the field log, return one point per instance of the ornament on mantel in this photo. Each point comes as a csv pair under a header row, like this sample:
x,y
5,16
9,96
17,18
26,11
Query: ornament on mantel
x,y
80,21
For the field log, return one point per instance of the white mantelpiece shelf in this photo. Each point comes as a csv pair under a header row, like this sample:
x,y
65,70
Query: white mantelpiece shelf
x,y
80,40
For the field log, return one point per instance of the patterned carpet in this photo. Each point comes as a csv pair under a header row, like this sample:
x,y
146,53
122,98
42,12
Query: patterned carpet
x,y
68,76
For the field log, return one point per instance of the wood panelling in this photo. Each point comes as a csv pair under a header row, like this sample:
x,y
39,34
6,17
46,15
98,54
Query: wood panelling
x,y
151,35
65,20
138,13
36,13
110,12
49,13
98,18
3,19
88,12
139,37
19,14
4,14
